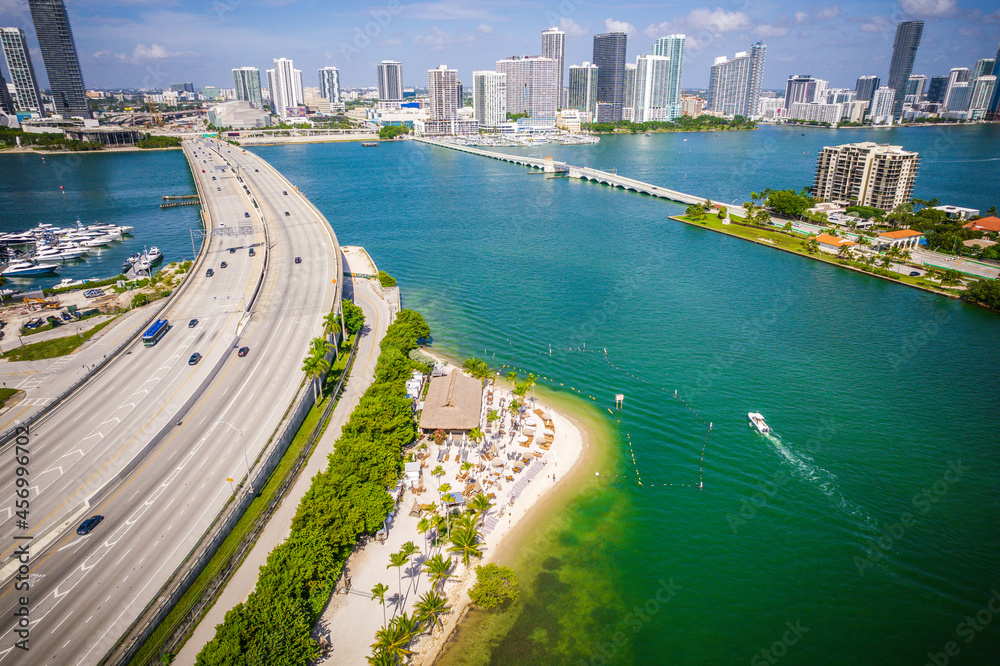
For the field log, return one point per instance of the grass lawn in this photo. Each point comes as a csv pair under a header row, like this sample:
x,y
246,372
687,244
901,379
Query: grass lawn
x,y
246,524
5,395
53,348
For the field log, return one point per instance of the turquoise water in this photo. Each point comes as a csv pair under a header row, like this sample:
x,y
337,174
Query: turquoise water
x,y
122,188
873,388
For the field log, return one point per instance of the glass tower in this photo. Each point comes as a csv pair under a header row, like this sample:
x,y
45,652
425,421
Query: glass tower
x,y
609,56
22,72
904,50
55,37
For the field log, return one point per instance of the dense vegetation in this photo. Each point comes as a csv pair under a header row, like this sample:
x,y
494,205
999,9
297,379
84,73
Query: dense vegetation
x,y
354,317
346,500
682,124
495,584
986,292
386,280
45,141
150,141
392,131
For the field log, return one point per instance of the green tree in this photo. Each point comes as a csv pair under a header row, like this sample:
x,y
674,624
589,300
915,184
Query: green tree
x,y
315,366
394,639
439,569
386,280
430,607
985,292
354,317
423,527
378,592
398,560
477,367
788,203
476,435
438,472
494,585
480,504
465,544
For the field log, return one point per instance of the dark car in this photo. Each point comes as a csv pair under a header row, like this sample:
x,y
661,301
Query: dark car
x,y
256,169
298,260
213,177
252,253
243,351
65,316
246,214
232,250
285,192
223,265
88,525
192,323
218,189
195,357
914,273
286,213
209,273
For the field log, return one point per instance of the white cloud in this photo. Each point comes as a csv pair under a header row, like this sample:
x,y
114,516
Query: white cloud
x,y
572,28
767,30
448,10
717,20
484,29
801,17
827,13
871,26
434,40
618,26
928,7
141,53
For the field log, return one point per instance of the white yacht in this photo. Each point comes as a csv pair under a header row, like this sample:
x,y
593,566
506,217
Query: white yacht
x,y
757,422
21,267
154,255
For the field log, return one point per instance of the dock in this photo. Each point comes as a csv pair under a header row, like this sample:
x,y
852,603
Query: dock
x,y
548,165
183,200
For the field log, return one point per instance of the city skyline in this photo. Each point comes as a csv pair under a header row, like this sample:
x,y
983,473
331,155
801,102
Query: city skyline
x,y
130,45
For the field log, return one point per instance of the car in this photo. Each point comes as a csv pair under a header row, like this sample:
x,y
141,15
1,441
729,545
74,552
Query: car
x,y
209,273
88,525
252,253
286,213
195,357
298,260
256,170
218,189
65,316
223,265
243,351
232,250
246,214
192,323
285,192
203,171
914,273
213,177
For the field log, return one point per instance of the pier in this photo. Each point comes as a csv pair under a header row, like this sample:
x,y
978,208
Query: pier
x,y
185,201
548,165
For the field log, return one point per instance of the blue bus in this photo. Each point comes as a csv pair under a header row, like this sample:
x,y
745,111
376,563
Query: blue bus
x,y
155,332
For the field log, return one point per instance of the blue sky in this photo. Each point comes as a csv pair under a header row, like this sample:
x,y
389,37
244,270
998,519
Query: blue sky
x,y
152,43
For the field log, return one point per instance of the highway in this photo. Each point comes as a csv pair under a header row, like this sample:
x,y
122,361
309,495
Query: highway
x,y
204,422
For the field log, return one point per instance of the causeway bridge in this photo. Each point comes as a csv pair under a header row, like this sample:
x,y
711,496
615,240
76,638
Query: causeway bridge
x,y
548,165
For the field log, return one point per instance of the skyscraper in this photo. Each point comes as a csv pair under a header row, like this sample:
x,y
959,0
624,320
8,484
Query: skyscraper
x,y
883,103
609,56
937,88
554,47
285,84
390,81
866,87
442,91
957,76
22,73
803,88
531,88
583,87
489,98
329,84
672,47
6,103
984,67
651,99
982,93
734,85
55,37
628,97
994,109
246,84
904,50
915,86
866,174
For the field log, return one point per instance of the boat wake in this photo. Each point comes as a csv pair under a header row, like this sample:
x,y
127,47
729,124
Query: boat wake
x,y
825,481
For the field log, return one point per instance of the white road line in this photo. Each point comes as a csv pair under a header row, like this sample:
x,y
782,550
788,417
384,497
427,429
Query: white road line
x,y
123,557
60,623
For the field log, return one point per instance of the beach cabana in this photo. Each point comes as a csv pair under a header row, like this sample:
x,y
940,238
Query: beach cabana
x,y
416,510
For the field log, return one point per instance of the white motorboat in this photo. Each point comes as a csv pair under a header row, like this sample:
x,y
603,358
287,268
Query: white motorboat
x,y
22,268
154,255
757,422
56,252
97,242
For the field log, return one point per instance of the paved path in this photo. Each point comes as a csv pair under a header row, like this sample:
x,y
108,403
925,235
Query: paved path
x,y
277,529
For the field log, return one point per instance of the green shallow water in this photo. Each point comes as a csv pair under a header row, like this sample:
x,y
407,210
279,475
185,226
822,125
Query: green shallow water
x,y
874,390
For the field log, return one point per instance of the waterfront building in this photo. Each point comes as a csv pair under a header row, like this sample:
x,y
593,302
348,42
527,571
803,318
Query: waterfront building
x,y
855,111
628,98
936,89
329,84
866,174
984,67
904,51
840,96
442,93
583,87
653,93
832,244
285,84
22,72
489,98
804,88
982,93
390,80
915,87
692,105
903,239
554,47
239,114
882,106
609,56
734,85
246,84
957,212
956,77
672,47
55,40
994,108
866,87
771,108
989,224
531,88
815,111
6,103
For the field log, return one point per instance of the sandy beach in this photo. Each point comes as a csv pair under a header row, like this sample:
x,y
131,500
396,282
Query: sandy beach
x,y
352,618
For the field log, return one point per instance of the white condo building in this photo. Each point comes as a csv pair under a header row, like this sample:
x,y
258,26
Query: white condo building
x,y
653,93
489,98
982,93
285,85
866,174
246,86
628,95
442,92
672,48
22,72
958,75
329,84
390,81
734,85
882,105
531,88
554,47
583,87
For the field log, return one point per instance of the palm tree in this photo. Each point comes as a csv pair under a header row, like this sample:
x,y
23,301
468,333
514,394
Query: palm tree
x,y
393,639
333,329
465,521
531,384
315,365
492,416
476,435
423,527
438,568
379,591
887,260
398,560
480,504
380,657
844,251
514,407
512,377
438,472
465,544
409,549
430,607
444,488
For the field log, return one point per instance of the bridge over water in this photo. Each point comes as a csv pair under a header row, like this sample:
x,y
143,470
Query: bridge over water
x,y
549,165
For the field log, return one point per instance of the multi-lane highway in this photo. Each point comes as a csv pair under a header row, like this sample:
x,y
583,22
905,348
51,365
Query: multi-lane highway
x,y
150,442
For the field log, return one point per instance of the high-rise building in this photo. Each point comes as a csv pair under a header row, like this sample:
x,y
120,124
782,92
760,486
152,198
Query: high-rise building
x,y
22,72
329,84
390,81
957,76
583,87
984,67
734,85
246,86
805,89
993,113
628,96
651,100
982,93
182,87
840,96
866,174
442,91
285,85
672,47
55,37
904,51
609,56
531,88
6,103
936,89
883,105
489,98
915,86
554,47
959,97
866,87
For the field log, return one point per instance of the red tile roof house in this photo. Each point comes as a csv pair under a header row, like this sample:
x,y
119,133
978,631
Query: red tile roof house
x,y
988,224
832,244
904,239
